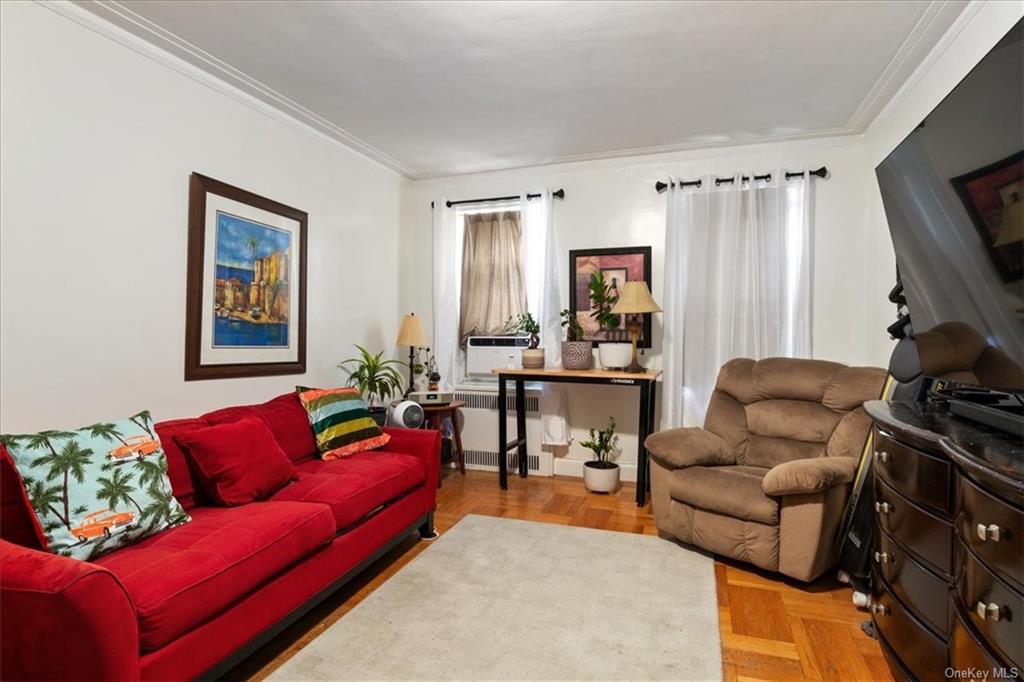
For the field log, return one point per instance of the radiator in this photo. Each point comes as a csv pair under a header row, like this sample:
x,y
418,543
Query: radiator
x,y
480,432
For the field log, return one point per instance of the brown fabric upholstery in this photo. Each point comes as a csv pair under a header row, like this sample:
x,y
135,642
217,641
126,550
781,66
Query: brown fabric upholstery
x,y
790,434
808,475
678,448
731,490
957,352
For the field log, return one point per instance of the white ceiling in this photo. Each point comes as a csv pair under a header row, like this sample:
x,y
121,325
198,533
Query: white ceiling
x,y
441,88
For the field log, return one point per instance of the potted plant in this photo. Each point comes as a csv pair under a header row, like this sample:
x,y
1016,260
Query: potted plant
x,y
601,474
376,378
603,297
533,356
576,353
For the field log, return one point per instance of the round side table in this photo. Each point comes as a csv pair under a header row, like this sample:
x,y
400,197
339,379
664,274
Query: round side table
x,y
435,414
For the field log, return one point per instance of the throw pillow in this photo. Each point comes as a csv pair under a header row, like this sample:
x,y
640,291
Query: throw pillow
x,y
341,421
238,462
97,488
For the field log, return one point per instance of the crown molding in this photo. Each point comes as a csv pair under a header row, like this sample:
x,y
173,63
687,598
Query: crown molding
x,y
121,25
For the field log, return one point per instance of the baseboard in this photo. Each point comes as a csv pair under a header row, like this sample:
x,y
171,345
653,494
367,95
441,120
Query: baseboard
x,y
574,467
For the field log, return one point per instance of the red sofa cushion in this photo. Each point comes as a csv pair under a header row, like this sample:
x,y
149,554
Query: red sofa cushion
x,y
238,462
183,576
355,485
184,483
18,522
284,416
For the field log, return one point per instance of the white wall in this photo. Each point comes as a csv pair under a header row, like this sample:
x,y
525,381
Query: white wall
x,y
614,203
98,142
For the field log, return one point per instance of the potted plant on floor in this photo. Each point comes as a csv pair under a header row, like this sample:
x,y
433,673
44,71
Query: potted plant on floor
x,y
377,379
601,474
533,356
576,353
603,297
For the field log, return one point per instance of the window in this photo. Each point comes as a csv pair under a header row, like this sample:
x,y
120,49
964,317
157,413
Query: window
x,y
493,283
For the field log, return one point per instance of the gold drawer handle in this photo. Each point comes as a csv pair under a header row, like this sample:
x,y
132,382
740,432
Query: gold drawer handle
x,y
881,456
990,611
878,609
990,532
884,558
883,507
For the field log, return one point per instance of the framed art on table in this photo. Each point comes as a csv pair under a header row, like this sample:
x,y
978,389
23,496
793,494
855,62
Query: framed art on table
x,y
246,285
614,266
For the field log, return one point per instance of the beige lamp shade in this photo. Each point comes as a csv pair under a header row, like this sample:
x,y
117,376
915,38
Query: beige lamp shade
x,y
411,332
635,298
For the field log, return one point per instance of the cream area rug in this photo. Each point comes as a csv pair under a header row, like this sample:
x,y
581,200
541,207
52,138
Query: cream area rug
x,y
502,599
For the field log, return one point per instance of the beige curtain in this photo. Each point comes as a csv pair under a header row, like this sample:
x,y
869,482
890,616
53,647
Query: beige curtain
x,y
493,288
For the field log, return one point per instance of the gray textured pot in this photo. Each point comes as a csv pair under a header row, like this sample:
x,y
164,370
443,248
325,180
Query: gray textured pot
x,y
577,355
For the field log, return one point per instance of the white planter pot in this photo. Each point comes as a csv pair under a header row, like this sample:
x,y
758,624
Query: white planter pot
x,y
533,358
615,355
600,480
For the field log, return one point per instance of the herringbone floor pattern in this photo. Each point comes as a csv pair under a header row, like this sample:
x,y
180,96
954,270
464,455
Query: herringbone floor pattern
x,y
771,629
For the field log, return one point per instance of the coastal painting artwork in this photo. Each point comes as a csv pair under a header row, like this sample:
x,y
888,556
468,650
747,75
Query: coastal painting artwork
x,y
250,304
246,290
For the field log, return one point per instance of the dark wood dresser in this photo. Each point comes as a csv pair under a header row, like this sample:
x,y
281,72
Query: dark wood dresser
x,y
947,584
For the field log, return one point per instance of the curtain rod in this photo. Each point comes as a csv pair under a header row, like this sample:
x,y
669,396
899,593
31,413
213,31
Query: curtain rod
x,y
558,194
662,186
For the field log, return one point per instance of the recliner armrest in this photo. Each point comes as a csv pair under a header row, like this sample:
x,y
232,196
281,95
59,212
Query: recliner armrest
x,y
679,448
802,476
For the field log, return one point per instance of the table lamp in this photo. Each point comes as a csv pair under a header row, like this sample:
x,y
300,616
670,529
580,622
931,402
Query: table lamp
x,y
634,300
411,334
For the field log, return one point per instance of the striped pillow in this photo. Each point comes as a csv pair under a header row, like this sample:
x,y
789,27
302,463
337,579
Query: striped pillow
x,y
341,421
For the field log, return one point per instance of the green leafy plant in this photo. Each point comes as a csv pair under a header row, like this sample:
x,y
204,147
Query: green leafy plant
x,y
525,324
572,326
602,300
376,378
602,443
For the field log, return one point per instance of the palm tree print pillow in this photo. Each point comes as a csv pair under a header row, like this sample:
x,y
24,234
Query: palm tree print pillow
x,y
98,488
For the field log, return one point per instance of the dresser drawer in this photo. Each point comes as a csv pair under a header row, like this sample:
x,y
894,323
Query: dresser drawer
x,y
923,592
923,533
993,530
923,478
996,609
968,654
919,649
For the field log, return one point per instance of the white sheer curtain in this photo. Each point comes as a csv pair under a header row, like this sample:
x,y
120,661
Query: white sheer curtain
x,y
447,243
544,301
737,283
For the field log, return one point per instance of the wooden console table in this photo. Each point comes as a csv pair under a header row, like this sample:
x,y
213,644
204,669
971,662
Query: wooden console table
x,y
645,381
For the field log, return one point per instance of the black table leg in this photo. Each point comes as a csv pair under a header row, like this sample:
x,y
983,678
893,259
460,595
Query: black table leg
x,y
521,427
651,429
502,433
641,451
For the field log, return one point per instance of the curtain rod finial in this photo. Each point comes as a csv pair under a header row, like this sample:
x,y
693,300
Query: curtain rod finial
x,y
660,186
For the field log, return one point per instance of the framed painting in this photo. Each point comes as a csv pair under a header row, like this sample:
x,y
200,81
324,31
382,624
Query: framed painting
x,y
590,269
994,199
245,309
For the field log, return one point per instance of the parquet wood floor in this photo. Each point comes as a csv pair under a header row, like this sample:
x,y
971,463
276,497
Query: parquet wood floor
x,y
771,628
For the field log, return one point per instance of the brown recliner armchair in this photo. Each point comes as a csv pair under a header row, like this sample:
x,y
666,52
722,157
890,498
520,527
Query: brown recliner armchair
x,y
767,479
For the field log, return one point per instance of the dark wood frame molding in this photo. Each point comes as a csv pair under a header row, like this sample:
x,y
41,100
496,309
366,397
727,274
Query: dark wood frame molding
x,y
199,187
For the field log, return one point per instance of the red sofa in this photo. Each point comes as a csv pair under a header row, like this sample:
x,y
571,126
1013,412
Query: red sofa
x,y
196,599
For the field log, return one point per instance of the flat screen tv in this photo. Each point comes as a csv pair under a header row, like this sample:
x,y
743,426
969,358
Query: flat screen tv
x,y
953,192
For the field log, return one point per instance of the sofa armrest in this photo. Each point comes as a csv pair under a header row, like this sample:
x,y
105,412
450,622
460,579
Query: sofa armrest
x,y
679,448
64,619
808,475
424,444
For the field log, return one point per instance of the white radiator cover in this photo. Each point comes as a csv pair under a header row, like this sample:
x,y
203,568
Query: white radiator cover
x,y
480,432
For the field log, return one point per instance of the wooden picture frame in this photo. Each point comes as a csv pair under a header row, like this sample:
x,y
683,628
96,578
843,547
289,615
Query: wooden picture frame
x,y
994,196
245,310
631,262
